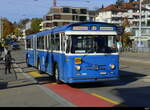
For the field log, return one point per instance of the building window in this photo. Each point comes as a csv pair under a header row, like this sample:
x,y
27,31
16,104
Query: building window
x,y
83,11
48,18
66,10
75,17
82,18
57,17
48,25
74,11
64,23
55,24
114,13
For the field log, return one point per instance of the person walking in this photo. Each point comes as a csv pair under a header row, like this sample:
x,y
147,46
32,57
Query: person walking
x,y
1,49
8,62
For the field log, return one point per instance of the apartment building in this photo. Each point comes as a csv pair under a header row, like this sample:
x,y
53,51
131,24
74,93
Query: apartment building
x,y
116,13
58,16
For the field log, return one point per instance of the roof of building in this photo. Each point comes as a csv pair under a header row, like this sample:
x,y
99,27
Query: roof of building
x,y
121,7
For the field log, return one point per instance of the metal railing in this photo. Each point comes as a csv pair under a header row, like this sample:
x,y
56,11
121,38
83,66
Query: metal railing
x,y
135,50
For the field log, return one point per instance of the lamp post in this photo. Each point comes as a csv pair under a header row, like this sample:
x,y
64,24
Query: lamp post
x,y
140,21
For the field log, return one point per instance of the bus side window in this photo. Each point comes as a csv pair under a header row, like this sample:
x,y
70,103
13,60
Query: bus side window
x,y
49,42
52,42
40,44
62,42
57,42
28,43
46,43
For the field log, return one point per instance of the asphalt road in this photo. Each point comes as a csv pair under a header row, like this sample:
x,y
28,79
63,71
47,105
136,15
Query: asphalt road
x,y
132,89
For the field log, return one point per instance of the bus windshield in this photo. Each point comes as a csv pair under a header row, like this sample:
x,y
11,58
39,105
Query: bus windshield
x,y
92,44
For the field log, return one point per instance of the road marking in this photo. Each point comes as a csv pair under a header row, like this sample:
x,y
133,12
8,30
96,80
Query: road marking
x,y
78,97
106,99
35,74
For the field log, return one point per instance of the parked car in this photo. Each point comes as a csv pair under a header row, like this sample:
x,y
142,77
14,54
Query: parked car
x,y
15,46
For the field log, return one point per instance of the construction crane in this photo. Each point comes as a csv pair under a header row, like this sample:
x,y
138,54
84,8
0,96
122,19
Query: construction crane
x,y
55,2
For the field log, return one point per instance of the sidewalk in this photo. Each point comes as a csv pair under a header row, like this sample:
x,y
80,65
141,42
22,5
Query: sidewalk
x,y
143,58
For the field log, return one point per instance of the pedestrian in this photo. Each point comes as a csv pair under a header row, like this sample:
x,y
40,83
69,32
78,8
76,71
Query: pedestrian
x,y
8,62
119,46
1,49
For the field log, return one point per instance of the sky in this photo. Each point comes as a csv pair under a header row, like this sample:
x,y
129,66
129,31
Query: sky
x,y
14,10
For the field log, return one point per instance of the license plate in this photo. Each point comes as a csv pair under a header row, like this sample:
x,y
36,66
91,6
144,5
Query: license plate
x,y
102,72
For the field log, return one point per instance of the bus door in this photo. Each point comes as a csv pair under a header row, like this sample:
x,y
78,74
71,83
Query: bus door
x,y
62,55
34,50
48,59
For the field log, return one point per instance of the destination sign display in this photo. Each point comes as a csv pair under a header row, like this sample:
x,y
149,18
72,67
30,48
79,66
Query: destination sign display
x,y
106,28
80,28
93,28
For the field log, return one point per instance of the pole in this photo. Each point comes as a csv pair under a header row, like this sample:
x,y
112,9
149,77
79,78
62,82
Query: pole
x,y
140,24
0,29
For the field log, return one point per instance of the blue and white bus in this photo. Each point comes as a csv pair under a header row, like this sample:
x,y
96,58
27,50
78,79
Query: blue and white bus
x,y
75,53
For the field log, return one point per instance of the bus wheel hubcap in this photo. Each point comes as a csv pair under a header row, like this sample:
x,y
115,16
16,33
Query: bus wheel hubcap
x,y
56,74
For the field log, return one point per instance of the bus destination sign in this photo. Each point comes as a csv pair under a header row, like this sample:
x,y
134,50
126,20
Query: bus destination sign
x,y
80,28
106,28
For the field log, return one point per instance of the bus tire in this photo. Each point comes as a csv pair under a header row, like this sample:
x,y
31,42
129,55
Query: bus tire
x,y
39,67
57,75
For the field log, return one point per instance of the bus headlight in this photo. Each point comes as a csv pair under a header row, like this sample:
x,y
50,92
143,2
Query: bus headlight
x,y
78,61
78,68
112,66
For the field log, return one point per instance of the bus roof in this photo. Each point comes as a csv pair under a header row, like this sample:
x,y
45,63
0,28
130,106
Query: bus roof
x,y
68,27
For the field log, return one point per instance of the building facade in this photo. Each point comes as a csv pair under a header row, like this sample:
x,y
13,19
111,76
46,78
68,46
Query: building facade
x,y
116,13
58,16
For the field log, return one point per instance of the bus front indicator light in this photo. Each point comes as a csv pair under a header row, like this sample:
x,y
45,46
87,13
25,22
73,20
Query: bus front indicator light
x,y
78,68
78,61
112,66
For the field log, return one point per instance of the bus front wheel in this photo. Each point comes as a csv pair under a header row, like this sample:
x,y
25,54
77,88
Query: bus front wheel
x,y
57,76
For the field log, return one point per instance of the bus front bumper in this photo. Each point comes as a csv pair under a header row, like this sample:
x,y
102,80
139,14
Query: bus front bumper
x,y
82,80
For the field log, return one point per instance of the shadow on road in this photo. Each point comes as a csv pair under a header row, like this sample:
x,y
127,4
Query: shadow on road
x,y
134,97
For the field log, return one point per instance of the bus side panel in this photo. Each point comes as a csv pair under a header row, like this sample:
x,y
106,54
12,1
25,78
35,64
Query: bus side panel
x,y
41,60
49,63
30,57
61,67
59,59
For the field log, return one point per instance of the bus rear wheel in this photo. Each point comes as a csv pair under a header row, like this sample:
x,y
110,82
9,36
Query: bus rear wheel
x,y
57,76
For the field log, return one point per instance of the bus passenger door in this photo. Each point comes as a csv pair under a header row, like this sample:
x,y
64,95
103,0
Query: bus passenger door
x,y
48,60
62,55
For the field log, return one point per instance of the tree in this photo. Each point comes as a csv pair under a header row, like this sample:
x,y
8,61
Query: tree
x,y
35,26
22,23
125,39
119,1
102,6
17,32
8,27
